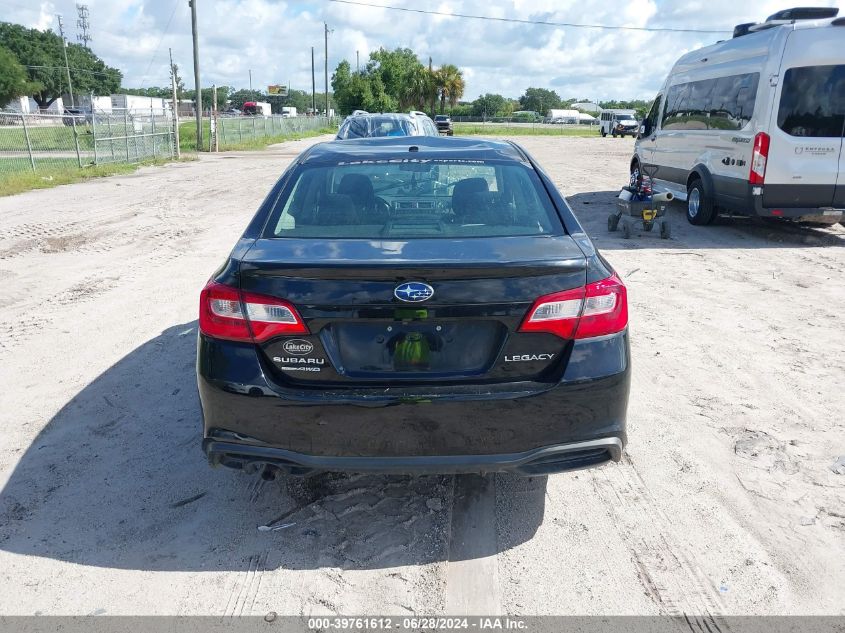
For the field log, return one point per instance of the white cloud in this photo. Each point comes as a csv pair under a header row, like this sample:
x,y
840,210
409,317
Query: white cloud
x,y
273,38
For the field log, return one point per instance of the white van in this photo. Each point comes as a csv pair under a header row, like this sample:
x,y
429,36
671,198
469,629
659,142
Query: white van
x,y
754,125
618,123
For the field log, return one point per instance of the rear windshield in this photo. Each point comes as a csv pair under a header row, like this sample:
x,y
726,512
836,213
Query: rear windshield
x,y
404,198
812,102
372,126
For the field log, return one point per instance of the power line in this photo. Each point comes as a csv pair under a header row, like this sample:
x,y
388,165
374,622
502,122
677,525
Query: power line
x,y
76,70
654,29
160,39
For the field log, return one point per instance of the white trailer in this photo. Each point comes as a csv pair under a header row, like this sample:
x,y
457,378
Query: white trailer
x,y
138,102
562,116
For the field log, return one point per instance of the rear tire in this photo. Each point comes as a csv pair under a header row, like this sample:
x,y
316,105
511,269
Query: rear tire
x,y
626,229
603,133
700,209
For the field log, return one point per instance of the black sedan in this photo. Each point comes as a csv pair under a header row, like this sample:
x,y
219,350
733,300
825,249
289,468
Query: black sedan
x,y
414,305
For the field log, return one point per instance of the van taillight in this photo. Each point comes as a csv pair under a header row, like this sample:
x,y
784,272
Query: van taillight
x,y
228,313
759,156
596,309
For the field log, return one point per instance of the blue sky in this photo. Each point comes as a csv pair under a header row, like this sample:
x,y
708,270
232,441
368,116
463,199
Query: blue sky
x,y
273,38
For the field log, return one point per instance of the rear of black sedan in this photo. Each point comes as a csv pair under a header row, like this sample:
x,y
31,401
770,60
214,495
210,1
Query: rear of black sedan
x,y
414,305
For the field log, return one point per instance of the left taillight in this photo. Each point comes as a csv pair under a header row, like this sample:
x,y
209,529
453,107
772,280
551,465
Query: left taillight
x,y
597,309
227,313
759,158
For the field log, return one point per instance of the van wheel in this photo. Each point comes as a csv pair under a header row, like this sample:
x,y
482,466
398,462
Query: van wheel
x,y
603,133
700,208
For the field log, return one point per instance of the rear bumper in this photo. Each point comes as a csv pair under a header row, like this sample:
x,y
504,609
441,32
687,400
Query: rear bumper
x,y
794,207
520,426
540,461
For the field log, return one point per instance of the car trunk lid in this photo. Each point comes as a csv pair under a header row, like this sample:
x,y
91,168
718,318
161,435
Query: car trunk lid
x,y
362,332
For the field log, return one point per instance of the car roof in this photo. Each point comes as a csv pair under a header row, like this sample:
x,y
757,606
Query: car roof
x,y
389,115
430,147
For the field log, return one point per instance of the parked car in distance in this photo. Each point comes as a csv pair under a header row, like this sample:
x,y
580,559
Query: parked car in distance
x,y
414,305
755,125
618,123
444,124
362,124
77,116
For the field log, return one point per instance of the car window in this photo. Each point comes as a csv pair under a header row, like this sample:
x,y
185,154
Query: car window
x,y
812,101
375,126
723,103
650,121
405,198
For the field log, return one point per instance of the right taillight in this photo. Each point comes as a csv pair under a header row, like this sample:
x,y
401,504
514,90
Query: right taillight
x,y
597,309
227,313
759,156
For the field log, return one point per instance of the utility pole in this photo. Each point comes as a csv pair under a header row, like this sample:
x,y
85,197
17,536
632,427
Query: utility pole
x,y
326,34
250,79
433,86
357,62
197,84
215,146
67,66
313,86
175,105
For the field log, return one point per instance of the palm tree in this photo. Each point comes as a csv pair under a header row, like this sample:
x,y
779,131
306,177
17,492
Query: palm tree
x,y
418,89
450,85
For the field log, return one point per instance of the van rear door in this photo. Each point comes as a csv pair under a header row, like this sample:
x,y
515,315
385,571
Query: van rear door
x,y
804,162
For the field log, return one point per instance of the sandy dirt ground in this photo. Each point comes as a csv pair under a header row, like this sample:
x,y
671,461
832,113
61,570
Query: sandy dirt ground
x,y
727,501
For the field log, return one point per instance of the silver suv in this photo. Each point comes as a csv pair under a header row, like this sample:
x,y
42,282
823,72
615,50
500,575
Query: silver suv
x,y
362,124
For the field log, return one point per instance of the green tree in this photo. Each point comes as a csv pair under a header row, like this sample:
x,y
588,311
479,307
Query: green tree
x,y
13,79
395,69
489,105
152,91
40,53
395,80
540,100
421,87
450,84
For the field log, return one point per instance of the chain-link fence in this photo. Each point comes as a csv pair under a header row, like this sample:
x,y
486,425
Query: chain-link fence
x,y
527,121
41,142
236,130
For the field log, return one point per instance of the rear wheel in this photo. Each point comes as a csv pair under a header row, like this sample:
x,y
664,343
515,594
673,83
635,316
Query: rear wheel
x,y
700,209
626,229
603,133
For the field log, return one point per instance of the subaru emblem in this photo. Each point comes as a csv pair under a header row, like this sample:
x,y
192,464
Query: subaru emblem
x,y
413,291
